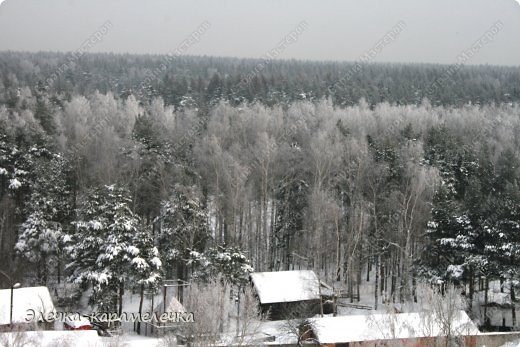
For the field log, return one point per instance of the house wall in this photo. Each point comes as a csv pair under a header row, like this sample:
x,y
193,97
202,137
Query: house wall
x,y
496,339
27,326
467,341
291,310
487,339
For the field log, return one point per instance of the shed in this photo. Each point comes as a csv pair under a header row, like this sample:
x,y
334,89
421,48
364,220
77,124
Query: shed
x,y
403,329
287,294
31,305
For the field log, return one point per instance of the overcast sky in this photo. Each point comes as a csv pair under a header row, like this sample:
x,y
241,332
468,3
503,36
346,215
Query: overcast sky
x,y
436,30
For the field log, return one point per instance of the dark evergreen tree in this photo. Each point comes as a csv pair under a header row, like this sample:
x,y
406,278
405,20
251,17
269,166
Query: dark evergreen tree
x,y
103,248
291,202
184,229
49,212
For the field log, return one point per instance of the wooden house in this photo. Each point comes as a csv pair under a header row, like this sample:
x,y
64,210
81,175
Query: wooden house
x,y
287,294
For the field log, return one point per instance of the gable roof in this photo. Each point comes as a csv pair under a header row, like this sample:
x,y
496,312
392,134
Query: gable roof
x,y
358,328
24,299
286,286
172,305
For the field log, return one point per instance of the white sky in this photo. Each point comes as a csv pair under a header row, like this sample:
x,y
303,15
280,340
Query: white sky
x,y
436,30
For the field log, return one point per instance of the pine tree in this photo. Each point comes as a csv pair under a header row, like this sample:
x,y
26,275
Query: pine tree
x,y
146,265
45,116
39,241
451,237
184,229
102,248
291,201
49,208
228,263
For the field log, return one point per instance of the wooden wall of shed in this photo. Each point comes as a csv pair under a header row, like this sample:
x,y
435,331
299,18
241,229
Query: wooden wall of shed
x,y
291,310
496,339
487,339
467,341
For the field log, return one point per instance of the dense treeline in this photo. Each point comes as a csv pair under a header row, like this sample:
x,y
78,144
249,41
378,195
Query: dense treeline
x,y
405,190
204,81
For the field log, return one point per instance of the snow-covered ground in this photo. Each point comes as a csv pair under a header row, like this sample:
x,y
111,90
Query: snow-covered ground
x,y
275,332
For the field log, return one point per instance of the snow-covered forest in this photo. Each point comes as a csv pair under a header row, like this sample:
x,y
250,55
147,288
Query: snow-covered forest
x,y
198,175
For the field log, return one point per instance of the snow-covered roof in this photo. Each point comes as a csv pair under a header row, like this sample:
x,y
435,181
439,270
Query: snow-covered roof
x,y
286,286
52,338
357,328
25,299
76,321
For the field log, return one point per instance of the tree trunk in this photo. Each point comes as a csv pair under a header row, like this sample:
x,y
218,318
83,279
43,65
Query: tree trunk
x,y
140,309
221,301
513,306
382,277
259,239
486,288
401,288
58,266
358,282
42,271
350,284
393,284
414,289
471,289
338,250
121,293
181,278
240,227
225,232
369,268
321,298
376,288
274,259
250,234
278,260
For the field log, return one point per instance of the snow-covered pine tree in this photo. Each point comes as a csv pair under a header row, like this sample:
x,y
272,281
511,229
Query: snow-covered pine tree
x,y
452,238
227,263
503,251
18,167
40,239
102,249
146,265
454,230
184,228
